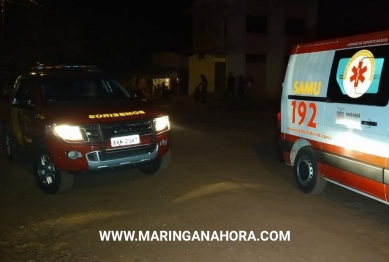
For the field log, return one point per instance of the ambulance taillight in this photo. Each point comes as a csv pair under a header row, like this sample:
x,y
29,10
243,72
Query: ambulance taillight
x,y
279,121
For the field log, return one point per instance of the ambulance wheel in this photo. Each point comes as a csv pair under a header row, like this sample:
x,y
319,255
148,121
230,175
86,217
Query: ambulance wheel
x,y
157,165
306,172
49,178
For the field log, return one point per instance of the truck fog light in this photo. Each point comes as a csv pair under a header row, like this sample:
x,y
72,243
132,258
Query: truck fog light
x,y
74,154
163,142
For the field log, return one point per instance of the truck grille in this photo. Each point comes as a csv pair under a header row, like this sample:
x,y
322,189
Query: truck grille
x,y
92,133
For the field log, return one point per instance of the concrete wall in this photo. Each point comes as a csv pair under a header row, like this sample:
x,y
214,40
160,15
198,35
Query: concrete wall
x,y
276,47
275,44
169,60
197,67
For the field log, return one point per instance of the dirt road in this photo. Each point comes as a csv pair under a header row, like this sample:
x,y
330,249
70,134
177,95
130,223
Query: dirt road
x,y
224,177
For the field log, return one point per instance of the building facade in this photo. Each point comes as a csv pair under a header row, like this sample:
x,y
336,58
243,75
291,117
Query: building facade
x,y
252,38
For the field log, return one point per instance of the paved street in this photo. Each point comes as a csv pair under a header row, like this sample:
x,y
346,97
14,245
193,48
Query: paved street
x,y
224,176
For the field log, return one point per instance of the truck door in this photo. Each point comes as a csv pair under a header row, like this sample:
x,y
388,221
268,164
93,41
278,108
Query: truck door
x,y
23,111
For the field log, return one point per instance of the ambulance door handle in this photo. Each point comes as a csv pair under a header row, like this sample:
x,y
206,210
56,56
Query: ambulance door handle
x,y
369,123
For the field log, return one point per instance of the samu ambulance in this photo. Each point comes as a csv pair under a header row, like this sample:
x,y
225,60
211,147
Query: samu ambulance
x,y
334,119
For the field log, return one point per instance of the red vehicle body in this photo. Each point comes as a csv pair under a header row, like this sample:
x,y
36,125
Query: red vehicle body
x,y
69,132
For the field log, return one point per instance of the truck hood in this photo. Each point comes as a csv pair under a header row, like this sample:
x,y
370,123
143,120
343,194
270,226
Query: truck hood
x,y
93,111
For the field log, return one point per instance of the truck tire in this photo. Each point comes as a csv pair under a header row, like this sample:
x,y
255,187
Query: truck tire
x,y
48,177
306,172
157,165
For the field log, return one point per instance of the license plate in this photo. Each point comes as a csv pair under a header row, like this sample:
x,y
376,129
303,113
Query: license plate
x,y
125,140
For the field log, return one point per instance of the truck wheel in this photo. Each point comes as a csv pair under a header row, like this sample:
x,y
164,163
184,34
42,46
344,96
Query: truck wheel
x,y
157,165
9,146
49,178
306,172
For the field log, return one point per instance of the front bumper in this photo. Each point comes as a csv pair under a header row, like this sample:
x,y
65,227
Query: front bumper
x,y
98,159
94,157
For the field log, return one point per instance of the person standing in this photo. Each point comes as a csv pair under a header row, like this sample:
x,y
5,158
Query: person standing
x,y
200,93
241,87
164,90
230,86
249,84
203,88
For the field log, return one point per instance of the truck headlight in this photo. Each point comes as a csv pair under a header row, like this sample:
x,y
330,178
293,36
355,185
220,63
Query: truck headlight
x,y
162,124
69,133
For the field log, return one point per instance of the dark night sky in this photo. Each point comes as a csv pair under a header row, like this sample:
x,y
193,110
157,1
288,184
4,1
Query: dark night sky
x,y
117,33
157,21
123,33
344,17
335,16
135,32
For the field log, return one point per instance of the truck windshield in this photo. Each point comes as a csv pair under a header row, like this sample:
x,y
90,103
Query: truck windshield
x,y
56,89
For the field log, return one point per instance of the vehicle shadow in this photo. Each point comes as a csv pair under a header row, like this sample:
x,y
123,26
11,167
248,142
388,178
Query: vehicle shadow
x,y
108,177
266,151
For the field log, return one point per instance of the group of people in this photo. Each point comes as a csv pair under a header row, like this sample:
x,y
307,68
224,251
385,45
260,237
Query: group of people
x,y
230,92
200,93
160,90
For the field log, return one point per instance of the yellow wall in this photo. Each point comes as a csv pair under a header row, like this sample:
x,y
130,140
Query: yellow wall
x,y
197,67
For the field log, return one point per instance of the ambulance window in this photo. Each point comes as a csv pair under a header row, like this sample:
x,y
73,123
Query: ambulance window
x,y
363,81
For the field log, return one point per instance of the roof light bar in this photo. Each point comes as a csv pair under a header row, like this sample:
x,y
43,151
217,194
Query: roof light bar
x,y
43,67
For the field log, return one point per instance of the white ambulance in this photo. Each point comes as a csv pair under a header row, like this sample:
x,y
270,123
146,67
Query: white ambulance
x,y
334,119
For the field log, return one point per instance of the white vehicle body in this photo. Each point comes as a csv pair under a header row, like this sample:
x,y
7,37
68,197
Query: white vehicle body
x,y
334,105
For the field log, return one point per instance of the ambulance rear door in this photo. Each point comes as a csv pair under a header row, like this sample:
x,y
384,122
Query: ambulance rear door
x,y
303,99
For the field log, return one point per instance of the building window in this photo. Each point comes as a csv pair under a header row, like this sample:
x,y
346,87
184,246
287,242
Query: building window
x,y
250,58
295,26
256,24
202,26
159,82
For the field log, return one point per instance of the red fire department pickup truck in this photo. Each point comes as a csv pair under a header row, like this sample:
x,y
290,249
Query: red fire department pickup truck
x,y
76,118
